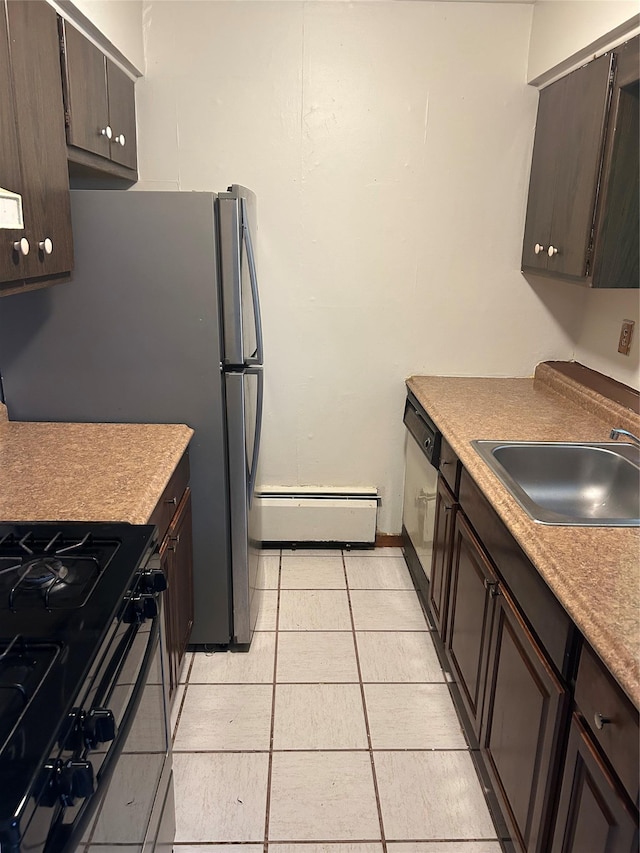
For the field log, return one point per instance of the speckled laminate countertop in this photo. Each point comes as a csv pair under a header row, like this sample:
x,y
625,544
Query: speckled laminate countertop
x,y
86,472
594,572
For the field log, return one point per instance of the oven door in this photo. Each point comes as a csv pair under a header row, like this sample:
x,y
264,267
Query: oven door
x,y
131,807
128,748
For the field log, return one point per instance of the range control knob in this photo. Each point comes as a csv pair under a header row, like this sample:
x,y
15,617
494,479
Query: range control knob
x,y
139,608
99,726
153,580
149,606
68,781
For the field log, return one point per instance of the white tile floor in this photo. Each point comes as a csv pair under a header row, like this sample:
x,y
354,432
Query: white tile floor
x,y
336,732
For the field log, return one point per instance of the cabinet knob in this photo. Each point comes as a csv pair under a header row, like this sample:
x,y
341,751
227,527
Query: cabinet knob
x,y
46,246
600,721
120,140
173,501
538,248
22,246
106,131
551,251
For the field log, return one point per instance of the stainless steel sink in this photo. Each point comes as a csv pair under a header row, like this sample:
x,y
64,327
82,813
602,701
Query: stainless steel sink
x,y
570,484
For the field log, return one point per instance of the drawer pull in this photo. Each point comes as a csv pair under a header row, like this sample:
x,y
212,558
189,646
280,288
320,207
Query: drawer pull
x,y
173,501
600,721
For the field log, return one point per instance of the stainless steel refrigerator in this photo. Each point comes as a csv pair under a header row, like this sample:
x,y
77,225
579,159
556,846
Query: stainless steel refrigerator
x,y
161,324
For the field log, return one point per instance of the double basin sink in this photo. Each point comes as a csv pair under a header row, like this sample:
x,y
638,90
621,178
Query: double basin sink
x,y
566,483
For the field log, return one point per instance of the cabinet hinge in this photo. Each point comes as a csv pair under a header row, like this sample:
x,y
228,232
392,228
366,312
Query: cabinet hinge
x,y
62,46
67,118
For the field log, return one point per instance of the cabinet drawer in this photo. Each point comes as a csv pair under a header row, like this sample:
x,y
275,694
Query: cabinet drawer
x,y
597,694
171,497
450,467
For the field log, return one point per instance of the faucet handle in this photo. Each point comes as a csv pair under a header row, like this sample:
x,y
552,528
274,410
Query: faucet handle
x,y
617,432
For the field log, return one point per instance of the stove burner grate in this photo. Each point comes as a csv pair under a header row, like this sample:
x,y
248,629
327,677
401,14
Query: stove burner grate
x,y
24,666
53,570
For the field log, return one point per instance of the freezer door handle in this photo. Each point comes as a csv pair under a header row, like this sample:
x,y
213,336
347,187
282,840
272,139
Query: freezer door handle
x,y
257,357
257,434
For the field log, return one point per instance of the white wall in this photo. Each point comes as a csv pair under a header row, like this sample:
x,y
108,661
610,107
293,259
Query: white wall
x,y
389,145
597,341
564,28
559,31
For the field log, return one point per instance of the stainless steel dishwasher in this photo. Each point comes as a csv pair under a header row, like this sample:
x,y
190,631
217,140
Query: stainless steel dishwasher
x,y
422,458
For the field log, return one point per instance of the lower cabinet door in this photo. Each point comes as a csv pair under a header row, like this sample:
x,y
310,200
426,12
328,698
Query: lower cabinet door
x,y
523,720
471,597
594,814
176,554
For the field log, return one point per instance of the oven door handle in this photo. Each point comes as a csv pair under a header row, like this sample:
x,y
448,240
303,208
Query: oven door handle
x,y
66,837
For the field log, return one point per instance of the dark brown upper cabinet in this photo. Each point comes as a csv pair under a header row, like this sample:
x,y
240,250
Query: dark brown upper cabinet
x,y
34,156
582,211
616,254
567,152
99,108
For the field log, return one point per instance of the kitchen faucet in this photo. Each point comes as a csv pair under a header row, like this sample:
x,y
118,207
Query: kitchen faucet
x,y
616,433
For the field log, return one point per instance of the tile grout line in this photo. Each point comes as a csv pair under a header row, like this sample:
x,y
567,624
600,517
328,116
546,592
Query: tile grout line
x,y
364,710
273,712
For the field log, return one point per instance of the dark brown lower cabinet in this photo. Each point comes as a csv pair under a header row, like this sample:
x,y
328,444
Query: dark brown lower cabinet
x,y
523,725
441,560
594,815
471,604
176,557
515,654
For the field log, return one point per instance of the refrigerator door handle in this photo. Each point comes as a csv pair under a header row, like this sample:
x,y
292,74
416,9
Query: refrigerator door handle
x,y
257,434
257,357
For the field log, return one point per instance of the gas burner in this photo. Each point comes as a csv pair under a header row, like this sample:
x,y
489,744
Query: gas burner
x,y
43,570
51,568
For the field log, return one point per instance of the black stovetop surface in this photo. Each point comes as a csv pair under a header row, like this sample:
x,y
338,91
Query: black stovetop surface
x,y
51,629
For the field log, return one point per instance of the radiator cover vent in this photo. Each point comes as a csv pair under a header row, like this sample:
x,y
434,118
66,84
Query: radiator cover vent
x,y
336,515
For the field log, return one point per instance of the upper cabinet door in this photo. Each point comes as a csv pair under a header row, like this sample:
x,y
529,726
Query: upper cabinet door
x,y
39,115
122,115
85,86
587,93
11,267
565,170
100,108
537,229
616,253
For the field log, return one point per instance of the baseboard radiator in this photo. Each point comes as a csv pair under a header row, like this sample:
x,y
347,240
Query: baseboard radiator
x,y
331,515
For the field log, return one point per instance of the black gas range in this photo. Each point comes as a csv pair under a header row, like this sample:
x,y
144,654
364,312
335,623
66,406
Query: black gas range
x,y
84,745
